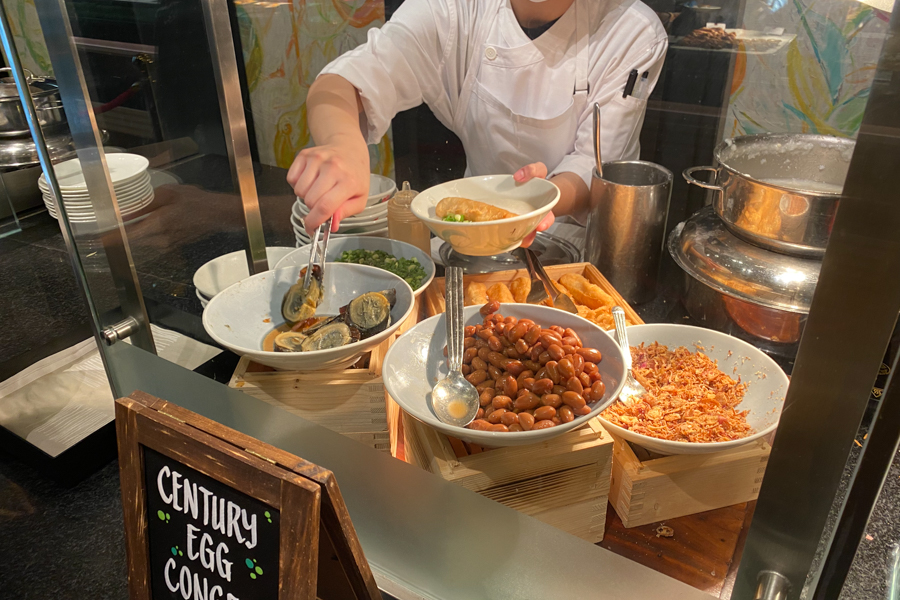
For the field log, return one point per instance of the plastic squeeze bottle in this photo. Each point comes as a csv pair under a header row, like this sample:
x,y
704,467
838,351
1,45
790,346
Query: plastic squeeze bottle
x,y
403,225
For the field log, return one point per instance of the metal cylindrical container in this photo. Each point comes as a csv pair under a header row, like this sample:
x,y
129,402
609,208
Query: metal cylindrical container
x,y
627,224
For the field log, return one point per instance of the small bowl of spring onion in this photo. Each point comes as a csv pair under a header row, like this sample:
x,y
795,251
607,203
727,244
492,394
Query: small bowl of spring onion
x,y
399,258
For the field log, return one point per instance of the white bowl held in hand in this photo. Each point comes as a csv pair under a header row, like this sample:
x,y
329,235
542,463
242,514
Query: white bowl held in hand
x,y
336,247
531,201
766,382
223,271
240,317
416,362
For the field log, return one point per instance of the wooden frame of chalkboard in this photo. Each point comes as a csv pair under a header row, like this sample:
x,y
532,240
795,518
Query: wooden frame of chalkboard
x,y
217,494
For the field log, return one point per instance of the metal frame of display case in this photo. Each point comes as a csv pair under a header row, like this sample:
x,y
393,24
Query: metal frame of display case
x,y
852,316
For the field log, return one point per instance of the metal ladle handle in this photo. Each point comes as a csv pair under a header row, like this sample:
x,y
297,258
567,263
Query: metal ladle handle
x,y
622,335
597,153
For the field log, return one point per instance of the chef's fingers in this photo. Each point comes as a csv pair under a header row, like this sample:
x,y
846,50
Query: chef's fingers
x,y
312,166
336,203
536,170
347,209
545,223
296,168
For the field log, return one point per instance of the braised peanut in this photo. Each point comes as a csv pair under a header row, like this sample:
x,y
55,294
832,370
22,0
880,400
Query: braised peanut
x,y
590,354
544,412
509,418
573,399
494,416
489,308
502,402
554,400
528,377
476,377
574,384
542,386
526,401
526,420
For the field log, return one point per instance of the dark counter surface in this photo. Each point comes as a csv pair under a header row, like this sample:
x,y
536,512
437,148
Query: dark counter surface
x,y
68,541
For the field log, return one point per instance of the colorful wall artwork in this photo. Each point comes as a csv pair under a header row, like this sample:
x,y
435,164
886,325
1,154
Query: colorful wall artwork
x,y
26,30
819,82
286,44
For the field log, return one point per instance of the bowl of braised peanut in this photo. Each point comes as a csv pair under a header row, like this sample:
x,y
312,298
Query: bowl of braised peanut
x,y
539,372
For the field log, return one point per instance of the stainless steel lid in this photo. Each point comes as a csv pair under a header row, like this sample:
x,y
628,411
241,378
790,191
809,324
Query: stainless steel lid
x,y
21,152
551,250
707,251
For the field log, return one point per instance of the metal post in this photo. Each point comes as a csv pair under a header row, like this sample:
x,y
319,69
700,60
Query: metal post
x,y
221,48
850,322
80,115
878,454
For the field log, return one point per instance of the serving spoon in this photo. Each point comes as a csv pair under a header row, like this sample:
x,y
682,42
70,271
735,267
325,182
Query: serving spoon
x,y
454,399
633,388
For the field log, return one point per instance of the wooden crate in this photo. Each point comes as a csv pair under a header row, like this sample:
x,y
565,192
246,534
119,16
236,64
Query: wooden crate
x,y
647,488
563,482
352,402
434,295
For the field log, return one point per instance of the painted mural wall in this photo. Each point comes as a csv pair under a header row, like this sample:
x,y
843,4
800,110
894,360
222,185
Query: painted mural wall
x,y
286,44
820,82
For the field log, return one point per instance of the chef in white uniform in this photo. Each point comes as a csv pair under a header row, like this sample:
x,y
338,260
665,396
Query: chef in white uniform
x,y
519,105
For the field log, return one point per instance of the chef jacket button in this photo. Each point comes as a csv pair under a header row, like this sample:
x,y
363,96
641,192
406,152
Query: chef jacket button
x,y
490,53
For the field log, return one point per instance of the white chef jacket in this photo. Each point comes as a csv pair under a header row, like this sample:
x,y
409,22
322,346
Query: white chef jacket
x,y
430,49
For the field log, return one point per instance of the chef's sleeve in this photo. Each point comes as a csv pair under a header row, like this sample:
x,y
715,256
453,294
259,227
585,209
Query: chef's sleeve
x,y
399,66
621,118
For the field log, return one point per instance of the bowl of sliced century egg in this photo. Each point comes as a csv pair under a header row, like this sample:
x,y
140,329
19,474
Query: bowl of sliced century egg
x,y
485,215
345,311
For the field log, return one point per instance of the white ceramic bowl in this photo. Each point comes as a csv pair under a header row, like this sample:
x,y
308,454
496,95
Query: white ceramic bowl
x,y
416,362
336,247
531,201
766,382
380,189
300,210
241,316
228,269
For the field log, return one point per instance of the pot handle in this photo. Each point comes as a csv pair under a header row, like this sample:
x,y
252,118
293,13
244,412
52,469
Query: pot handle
x,y
689,177
29,76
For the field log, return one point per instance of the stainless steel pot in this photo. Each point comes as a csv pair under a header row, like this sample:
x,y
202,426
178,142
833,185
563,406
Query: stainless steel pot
x,y
779,191
47,102
742,289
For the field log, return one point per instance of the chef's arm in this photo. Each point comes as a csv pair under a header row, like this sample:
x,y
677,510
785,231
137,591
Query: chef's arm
x,y
333,176
574,195
335,112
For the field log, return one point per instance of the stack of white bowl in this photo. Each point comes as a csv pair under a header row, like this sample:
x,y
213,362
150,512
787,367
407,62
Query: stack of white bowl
x,y
130,180
226,270
372,221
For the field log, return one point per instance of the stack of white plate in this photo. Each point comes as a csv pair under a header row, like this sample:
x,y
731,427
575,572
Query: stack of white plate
x,y
130,180
372,221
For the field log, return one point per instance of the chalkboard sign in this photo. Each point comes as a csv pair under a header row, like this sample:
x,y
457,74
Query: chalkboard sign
x,y
213,514
207,540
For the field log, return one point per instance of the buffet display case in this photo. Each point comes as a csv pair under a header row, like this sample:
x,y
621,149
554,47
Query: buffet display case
x,y
185,117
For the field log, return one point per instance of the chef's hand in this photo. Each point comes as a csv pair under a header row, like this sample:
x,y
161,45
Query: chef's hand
x,y
332,179
532,171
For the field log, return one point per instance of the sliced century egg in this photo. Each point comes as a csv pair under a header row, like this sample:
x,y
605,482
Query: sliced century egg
x,y
289,341
300,304
370,313
332,335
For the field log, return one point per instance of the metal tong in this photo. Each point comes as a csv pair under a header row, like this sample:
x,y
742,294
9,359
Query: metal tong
x,y
541,284
315,257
